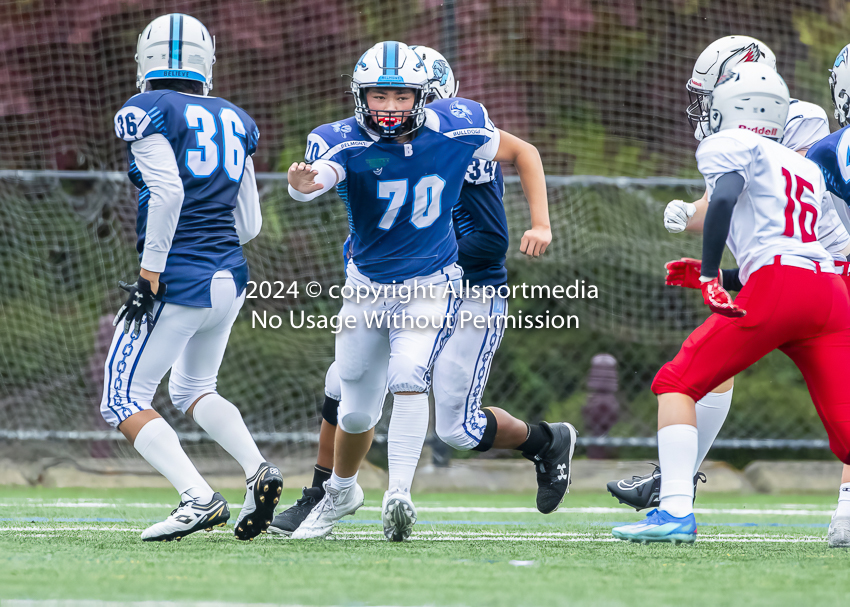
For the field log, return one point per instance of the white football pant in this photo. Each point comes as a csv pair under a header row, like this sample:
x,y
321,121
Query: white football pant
x,y
461,371
370,360
189,341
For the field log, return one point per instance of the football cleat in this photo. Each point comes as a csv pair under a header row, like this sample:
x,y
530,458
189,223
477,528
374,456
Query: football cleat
x,y
262,494
641,492
398,515
553,466
187,518
839,532
324,515
289,520
659,526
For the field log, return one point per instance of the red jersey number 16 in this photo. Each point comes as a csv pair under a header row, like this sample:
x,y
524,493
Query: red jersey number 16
x,y
807,216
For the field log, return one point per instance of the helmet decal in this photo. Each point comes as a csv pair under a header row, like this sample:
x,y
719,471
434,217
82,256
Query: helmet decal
x,y
459,110
744,55
842,57
441,71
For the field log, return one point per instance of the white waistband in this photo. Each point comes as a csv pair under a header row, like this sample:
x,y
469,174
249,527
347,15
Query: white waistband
x,y
805,263
451,272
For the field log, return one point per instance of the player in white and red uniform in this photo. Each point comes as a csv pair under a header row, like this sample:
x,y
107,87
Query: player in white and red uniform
x,y
805,125
765,202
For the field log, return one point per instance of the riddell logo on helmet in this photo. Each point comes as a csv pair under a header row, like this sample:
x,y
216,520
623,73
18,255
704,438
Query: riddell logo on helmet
x,y
761,130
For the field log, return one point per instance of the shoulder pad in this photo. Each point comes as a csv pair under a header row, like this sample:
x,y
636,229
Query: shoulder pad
x,y
327,140
459,113
140,116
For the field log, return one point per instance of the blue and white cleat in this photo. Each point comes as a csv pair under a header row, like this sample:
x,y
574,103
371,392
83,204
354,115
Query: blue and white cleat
x,y
659,526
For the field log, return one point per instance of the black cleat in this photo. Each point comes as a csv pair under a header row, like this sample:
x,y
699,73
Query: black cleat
x,y
553,466
187,518
290,519
643,491
261,497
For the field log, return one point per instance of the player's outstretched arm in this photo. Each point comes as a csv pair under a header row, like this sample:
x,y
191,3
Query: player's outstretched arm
x,y
681,216
529,166
309,181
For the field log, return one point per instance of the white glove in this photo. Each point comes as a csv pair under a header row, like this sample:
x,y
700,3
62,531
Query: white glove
x,y
677,214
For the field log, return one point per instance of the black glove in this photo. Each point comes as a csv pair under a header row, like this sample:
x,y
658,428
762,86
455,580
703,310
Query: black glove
x,y
138,305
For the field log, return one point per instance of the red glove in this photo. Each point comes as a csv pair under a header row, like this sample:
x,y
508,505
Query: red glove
x,y
684,272
719,300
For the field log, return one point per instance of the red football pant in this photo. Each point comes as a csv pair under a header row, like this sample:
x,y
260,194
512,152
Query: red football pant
x,y
805,314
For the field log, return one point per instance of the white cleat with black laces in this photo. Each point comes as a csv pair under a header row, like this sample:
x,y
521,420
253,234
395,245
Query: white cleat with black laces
x,y
187,518
335,505
398,514
262,493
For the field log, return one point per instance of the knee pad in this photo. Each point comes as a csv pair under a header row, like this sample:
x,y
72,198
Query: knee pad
x,y
356,422
184,392
405,375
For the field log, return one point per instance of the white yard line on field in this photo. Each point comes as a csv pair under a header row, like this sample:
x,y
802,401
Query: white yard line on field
x,y
779,509
439,536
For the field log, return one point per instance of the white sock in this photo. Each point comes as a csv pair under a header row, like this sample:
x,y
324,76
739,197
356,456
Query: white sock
x,y
223,422
408,427
712,410
843,500
157,442
339,483
677,456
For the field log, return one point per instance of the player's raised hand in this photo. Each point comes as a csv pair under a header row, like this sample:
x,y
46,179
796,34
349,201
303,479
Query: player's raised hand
x,y
139,305
677,214
684,272
301,177
535,241
719,300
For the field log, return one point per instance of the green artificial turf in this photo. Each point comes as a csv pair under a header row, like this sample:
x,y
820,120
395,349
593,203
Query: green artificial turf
x,y
84,544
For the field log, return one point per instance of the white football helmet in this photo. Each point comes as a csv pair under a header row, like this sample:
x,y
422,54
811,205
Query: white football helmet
x,y
750,96
443,83
390,65
175,46
839,86
719,56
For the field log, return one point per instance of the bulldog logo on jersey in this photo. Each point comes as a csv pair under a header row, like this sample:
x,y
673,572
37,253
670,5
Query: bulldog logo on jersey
x,y
338,127
459,110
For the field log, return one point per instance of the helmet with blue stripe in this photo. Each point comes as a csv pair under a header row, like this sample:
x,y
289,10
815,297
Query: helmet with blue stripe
x,y
443,83
390,65
175,46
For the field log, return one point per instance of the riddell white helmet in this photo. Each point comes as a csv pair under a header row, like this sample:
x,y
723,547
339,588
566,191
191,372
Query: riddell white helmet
x,y
839,86
443,83
175,46
390,65
717,58
750,96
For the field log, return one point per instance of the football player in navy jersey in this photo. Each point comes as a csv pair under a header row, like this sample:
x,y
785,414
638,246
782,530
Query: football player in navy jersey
x,y
832,155
190,157
399,167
